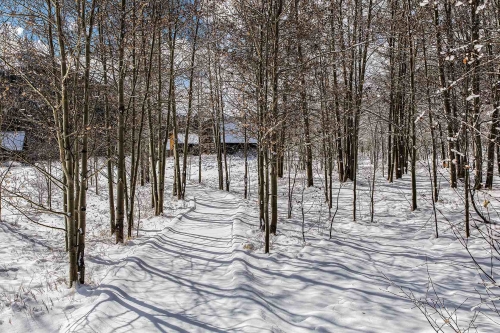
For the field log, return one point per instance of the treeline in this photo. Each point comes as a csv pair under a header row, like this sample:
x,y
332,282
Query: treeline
x,y
315,82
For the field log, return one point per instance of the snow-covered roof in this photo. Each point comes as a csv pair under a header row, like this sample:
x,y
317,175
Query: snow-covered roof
x,y
235,134
13,141
193,139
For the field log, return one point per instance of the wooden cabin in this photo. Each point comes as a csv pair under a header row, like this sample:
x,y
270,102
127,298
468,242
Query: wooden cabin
x,y
234,138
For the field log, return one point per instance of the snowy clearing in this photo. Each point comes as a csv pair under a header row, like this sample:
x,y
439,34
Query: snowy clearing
x,y
201,268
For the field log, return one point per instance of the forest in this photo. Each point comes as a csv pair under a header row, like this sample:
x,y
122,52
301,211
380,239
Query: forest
x,y
249,165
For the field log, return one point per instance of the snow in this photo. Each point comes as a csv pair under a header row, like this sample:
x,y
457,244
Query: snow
x,y
193,139
201,266
472,96
13,141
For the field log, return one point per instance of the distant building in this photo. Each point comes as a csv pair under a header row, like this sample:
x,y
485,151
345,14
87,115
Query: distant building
x,y
193,142
235,137
13,141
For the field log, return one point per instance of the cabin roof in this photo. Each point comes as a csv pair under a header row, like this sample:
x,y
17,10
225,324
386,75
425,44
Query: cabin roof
x,y
193,139
235,134
13,141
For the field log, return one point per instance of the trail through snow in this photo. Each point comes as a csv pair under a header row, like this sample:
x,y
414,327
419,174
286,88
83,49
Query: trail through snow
x,y
183,279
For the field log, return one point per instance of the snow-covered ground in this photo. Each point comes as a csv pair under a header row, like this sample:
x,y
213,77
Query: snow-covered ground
x,y
201,267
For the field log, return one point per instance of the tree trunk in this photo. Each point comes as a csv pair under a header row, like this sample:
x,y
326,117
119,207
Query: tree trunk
x,y
65,150
190,103
82,216
120,191
446,99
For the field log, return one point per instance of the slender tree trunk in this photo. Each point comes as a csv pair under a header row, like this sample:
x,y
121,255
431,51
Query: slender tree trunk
x,y
245,153
177,170
336,93
135,161
65,150
190,103
276,12
303,104
495,121
446,99
82,216
120,194
214,102
476,101
359,95
200,128
412,112
432,128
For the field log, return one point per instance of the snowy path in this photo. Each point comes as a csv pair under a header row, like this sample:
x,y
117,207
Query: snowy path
x,y
179,280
